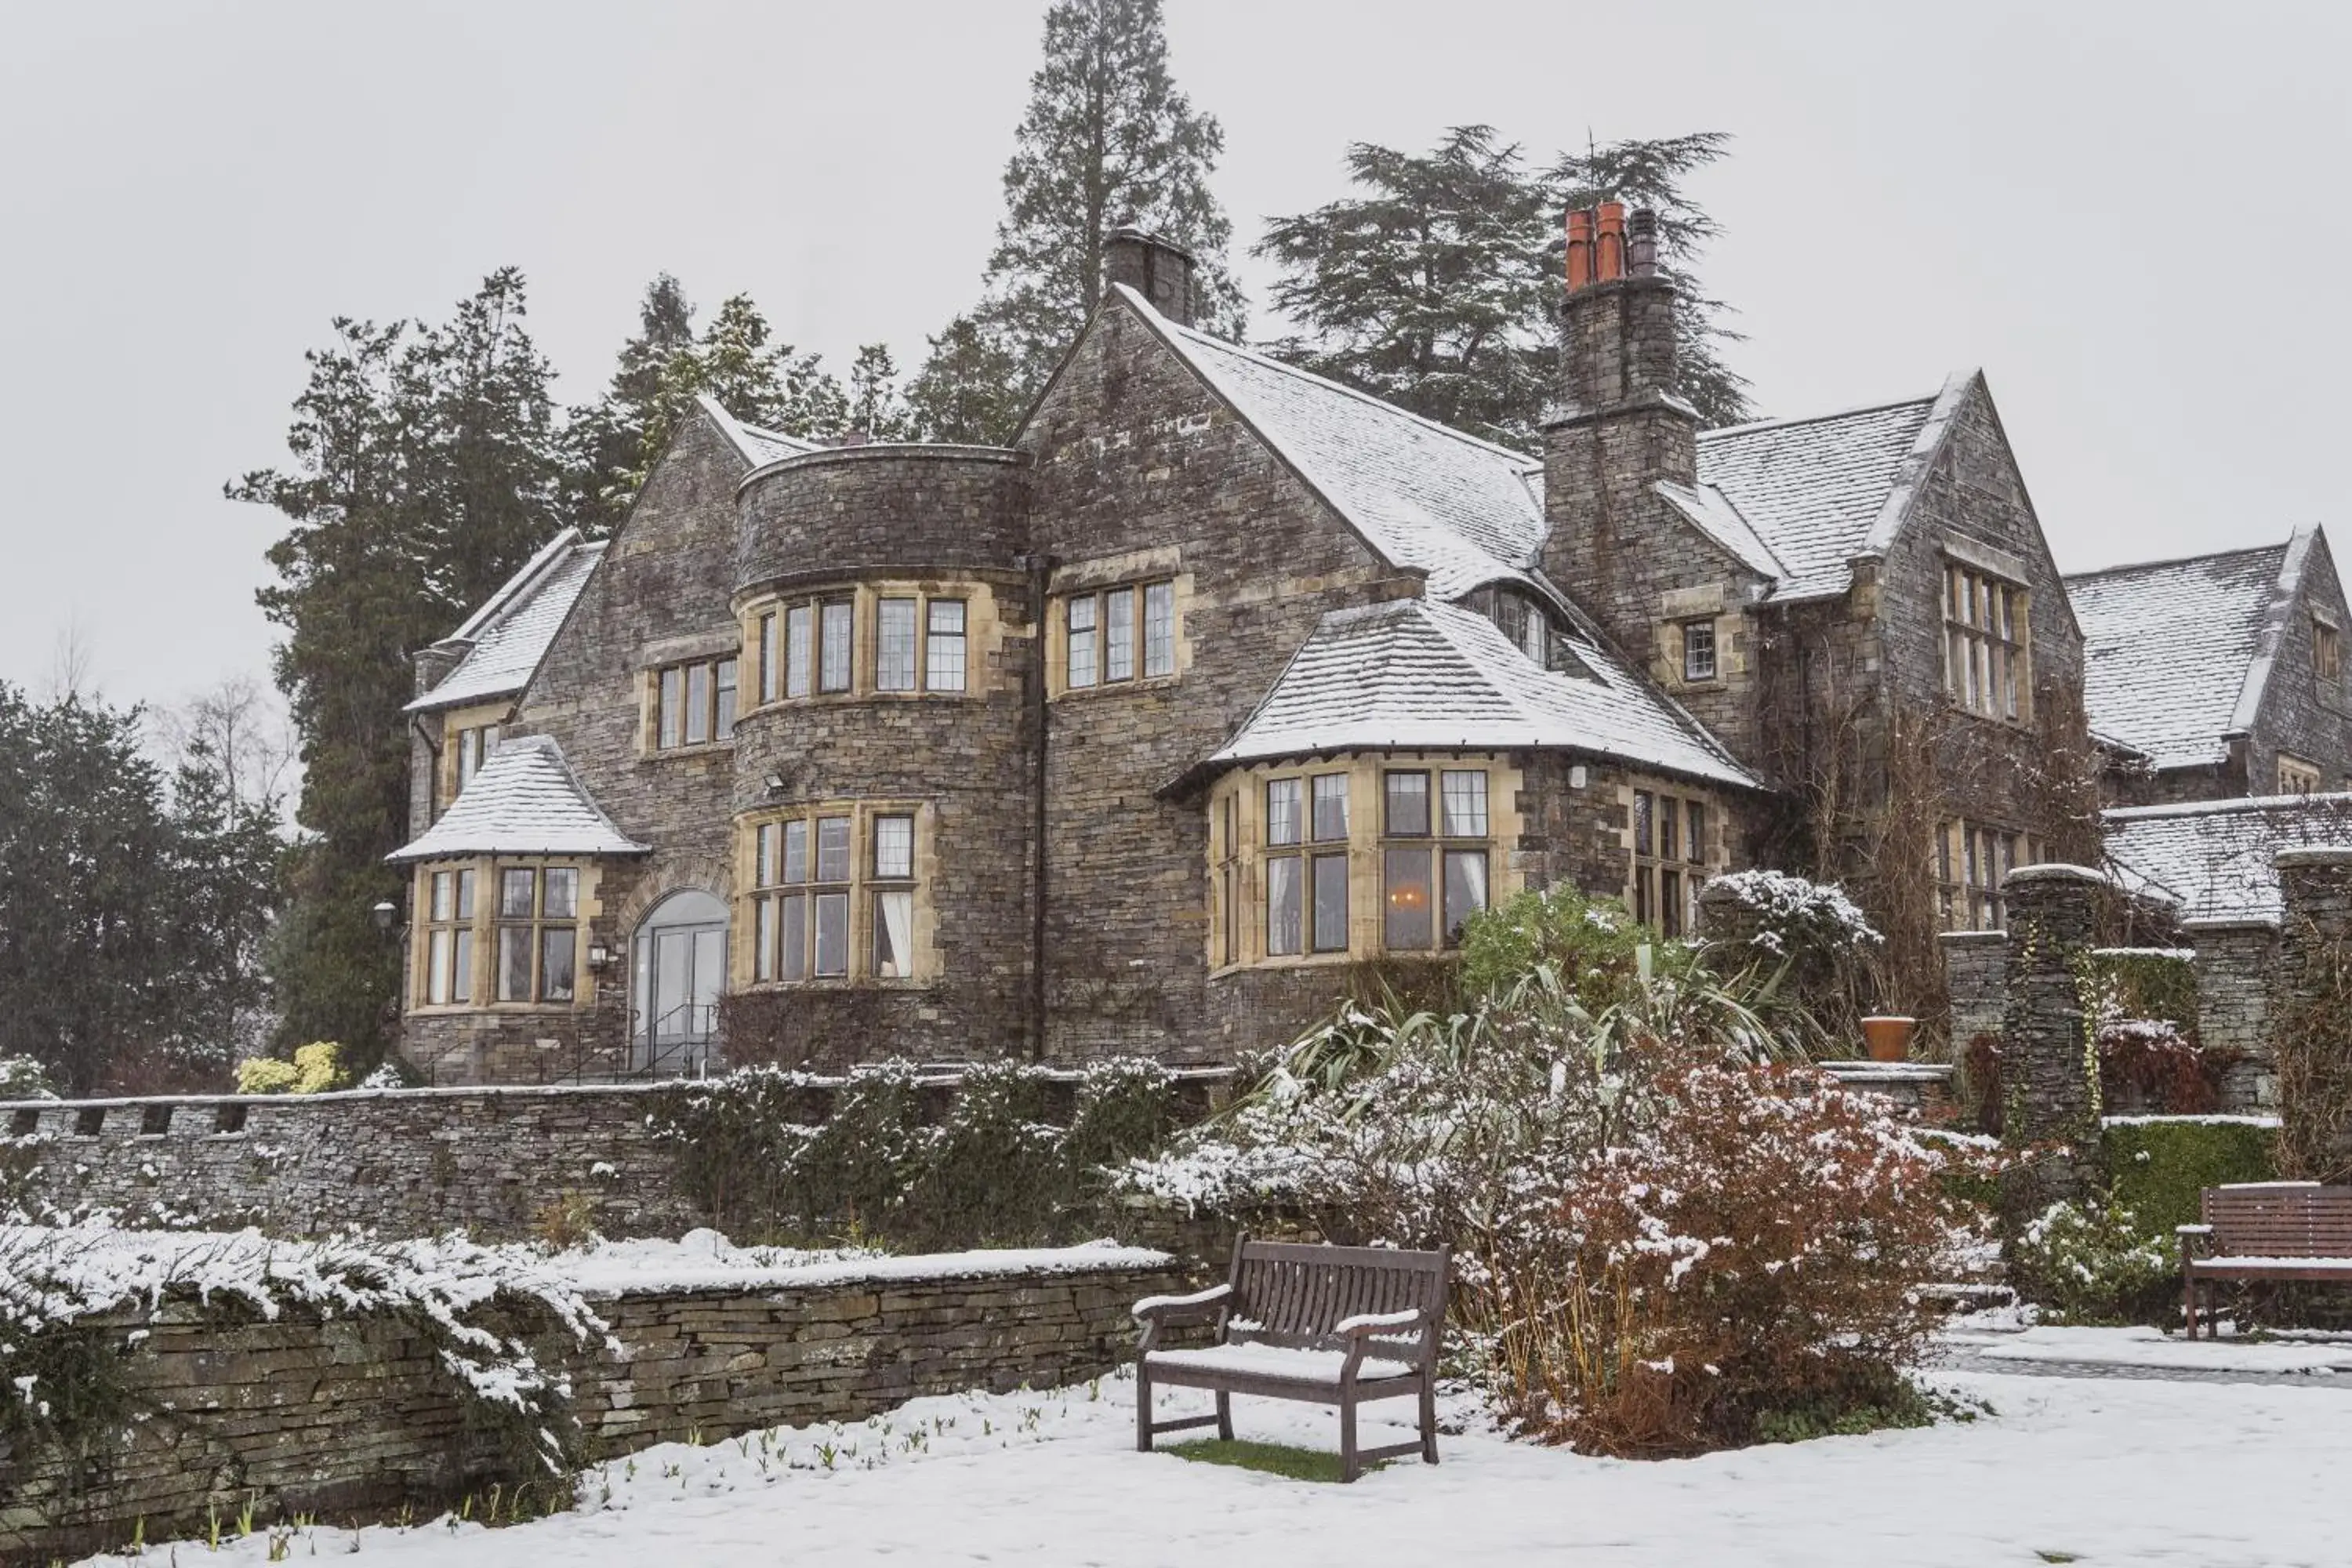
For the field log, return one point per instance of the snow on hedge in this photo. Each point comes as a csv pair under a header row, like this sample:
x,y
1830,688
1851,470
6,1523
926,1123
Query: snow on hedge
x,y
1787,906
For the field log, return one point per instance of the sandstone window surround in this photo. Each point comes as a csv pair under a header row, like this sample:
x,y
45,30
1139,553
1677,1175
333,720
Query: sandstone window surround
x,y
1698,651
499,931
886,639
1673,835
1987,643
1972,860
838,893
1355,856
473,745
1118,624
2296,776
693,703
469,735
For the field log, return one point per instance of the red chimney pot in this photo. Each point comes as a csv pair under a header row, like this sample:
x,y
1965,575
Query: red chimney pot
x,y
1609,247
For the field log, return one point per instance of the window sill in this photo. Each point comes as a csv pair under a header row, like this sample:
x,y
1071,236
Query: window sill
x,y
1117,687
491,1009
832,982
1714,683
1329,960
699,749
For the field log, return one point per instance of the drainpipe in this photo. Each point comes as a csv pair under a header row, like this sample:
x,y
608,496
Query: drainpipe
x,y
1040,567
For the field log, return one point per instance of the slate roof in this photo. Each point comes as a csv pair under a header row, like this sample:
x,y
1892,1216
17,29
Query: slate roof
x,y
510,632
1413,674
2215,856
1812,494
523,800
760,447
1466,510
2175,653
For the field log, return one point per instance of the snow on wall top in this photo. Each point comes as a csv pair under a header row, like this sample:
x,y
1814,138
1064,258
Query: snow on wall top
x,y
2168,649
1814,490
2215,856
1411,674
511,631
523,800
1465,510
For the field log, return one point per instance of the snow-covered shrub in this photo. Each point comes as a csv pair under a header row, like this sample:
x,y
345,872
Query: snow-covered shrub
x,y
1746,1257
2094,1263
1805,950
1788,914
22,1077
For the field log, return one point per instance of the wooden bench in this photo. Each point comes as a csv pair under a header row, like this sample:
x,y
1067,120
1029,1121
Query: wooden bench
x,y
1330,1325
2265,1230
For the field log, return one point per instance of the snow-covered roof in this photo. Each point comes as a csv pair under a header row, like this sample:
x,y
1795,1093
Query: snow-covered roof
x,y
1813,494
510,632
2175,653
523,800
758,447
1411,674
2215,856
1465,510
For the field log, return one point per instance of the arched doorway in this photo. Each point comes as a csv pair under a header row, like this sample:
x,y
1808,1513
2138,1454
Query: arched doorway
x,y
679,969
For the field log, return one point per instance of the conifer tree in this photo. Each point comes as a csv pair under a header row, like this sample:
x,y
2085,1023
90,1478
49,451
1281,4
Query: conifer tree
x,y
1436,284
1108,139
426,471
608,437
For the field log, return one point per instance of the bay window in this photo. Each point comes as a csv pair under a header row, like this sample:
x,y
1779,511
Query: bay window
x,y
495,932
449,938
814,891
910,642
1669,858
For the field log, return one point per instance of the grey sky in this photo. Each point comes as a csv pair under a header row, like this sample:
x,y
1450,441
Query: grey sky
x,y
2128,214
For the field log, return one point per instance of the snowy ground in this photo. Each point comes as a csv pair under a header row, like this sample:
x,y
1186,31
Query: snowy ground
x,y
2112,1472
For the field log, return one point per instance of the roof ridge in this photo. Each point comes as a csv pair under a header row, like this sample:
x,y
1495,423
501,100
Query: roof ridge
x,y
516,590
1522,461
1753,425
2220,808
2173,561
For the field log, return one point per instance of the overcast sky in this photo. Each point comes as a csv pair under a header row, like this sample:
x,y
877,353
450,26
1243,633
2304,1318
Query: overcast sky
x,y
2130,215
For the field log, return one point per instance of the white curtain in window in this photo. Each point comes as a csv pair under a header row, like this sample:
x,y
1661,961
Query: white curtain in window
x,y
894,929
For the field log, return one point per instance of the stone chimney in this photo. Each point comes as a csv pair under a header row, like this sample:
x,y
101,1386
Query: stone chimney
x,y
1618,429
1160,272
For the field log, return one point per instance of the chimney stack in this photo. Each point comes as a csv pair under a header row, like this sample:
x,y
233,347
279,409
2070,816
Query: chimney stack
x,y
1617,346
1160,272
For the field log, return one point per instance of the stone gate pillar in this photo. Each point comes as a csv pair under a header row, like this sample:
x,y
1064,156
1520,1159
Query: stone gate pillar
x,y
2310,1013
2235,958
2049,1064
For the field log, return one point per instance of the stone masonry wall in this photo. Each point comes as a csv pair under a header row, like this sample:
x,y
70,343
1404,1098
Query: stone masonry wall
x,y
2233,969
1976,967
2050,1079
407,1162
2301,714
347,1419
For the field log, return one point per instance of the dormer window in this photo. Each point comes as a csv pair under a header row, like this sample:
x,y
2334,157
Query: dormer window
x,y
1531,627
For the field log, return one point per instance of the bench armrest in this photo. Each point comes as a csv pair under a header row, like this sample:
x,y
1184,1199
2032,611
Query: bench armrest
x,y
1201,1305
1380,1322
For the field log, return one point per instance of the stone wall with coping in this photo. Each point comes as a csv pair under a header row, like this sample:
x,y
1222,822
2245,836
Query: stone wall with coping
x,y
2233,969
1976,967
2050,1076
491,1161
342,1418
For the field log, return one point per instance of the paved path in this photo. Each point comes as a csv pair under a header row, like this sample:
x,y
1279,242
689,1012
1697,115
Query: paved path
x,y
1997,1366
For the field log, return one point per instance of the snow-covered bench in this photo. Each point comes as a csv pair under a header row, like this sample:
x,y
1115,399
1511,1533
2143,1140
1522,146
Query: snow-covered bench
x,y
1330,1325
2265,1230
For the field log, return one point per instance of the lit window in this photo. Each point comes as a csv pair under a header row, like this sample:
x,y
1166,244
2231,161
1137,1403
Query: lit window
x,y
1698,650
1430,890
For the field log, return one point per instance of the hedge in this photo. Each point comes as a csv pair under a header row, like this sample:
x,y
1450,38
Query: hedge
x,y
2157,1164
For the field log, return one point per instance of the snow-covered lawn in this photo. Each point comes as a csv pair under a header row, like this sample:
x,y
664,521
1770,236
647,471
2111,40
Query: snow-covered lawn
x,y
2111,1471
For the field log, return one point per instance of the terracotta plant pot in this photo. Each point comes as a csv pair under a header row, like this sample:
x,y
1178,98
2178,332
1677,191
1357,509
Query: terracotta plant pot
x,y
1889,1039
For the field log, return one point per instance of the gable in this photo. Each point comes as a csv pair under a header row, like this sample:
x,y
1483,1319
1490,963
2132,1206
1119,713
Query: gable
x,y
1418,495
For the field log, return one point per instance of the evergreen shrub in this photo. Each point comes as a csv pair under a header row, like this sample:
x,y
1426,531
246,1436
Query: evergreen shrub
x,y
2158,1166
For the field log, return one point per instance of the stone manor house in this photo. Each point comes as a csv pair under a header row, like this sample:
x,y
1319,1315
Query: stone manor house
x,y
1144,732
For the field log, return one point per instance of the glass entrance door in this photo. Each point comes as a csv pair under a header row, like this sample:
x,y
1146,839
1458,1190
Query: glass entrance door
x,y
681,972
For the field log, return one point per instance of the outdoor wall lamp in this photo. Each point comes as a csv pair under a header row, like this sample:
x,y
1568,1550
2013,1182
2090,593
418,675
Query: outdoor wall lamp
x,y
384,914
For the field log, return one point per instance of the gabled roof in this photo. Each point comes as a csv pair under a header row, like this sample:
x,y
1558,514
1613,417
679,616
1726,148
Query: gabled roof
x,y
2176,654
1813,494
510,632
2215,856
1465,510
1411,674
523,800
758,446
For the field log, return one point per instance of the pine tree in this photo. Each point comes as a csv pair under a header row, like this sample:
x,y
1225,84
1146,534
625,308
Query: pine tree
x,y
1429,288
877,411
427,468
1107,139
1437,283
608,437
